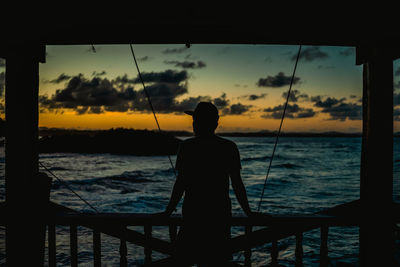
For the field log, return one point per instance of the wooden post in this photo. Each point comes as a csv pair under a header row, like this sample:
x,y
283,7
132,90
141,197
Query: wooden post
x,y
324,246
247,252
376,174
147,248
96,248
299,250
173,232
21,155
73,242
52,244
274,253
123,252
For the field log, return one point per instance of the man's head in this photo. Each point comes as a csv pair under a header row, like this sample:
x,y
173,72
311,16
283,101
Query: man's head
x,y
205,118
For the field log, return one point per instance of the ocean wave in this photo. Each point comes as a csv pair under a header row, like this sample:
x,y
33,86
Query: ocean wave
x,y
263,158
287,166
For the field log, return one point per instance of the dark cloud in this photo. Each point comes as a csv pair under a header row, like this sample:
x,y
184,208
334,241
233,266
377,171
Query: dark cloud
x,y
338,109
310,54
221,102
143,59
236,109
353,96
347,51
295,96
253,97
279,80
61,78
99,74
292,111
98,94
174,50
2,82
187,64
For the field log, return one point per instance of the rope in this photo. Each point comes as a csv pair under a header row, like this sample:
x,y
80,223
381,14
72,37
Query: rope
x,y
150,103
68,187
280,128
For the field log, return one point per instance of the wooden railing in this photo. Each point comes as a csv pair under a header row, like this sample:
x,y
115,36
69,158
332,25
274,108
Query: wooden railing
x,y
272,230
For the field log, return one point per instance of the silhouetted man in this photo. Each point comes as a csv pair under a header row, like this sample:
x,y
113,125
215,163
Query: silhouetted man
x,y
204,164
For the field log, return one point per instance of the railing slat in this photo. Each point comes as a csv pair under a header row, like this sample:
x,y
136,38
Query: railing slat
x,y
123,252
274,253
173,232
147,249
73,240
299,250
52,244
247,252
324,246
96,248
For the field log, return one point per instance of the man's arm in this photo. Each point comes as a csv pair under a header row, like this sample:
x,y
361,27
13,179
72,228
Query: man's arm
x,y
240,191
176,195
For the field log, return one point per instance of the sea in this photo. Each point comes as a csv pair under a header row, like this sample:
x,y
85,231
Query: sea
x,y
308,175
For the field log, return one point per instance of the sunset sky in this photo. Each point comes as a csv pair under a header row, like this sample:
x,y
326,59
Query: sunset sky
x,y
85,88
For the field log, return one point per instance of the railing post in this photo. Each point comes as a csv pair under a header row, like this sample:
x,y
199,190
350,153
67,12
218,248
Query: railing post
x,y
147,248
123,252
274,253
324,246
299,250
73,240
96,248
247,252
173,232
52,245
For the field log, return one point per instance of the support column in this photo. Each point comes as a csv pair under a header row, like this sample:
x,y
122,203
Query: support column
x,y
376,181
23,243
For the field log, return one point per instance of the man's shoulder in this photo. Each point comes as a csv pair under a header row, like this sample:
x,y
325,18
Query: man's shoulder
x,y
225,141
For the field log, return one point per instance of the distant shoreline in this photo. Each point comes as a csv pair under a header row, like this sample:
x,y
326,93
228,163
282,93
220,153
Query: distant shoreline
x,y
61,131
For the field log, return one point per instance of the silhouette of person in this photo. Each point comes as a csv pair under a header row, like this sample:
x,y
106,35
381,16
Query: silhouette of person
x,y
204,165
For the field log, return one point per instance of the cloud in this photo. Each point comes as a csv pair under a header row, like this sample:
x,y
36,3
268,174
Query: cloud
x,y
253,97
2,82
61,78
279,80
174,50
295,96
338,109
353,96
221,102
292,111
2,63
236,109
98,74
187,64
310,54
143,59
396,85
347,51
98,95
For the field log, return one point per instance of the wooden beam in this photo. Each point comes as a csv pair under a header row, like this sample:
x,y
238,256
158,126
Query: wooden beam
x,y
21,156
376,174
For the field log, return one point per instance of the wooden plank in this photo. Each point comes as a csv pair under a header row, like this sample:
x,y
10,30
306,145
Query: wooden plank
x,y
73,242
52,244
147,248
274,253
299,250
123,252
324,260
247,252
96,248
